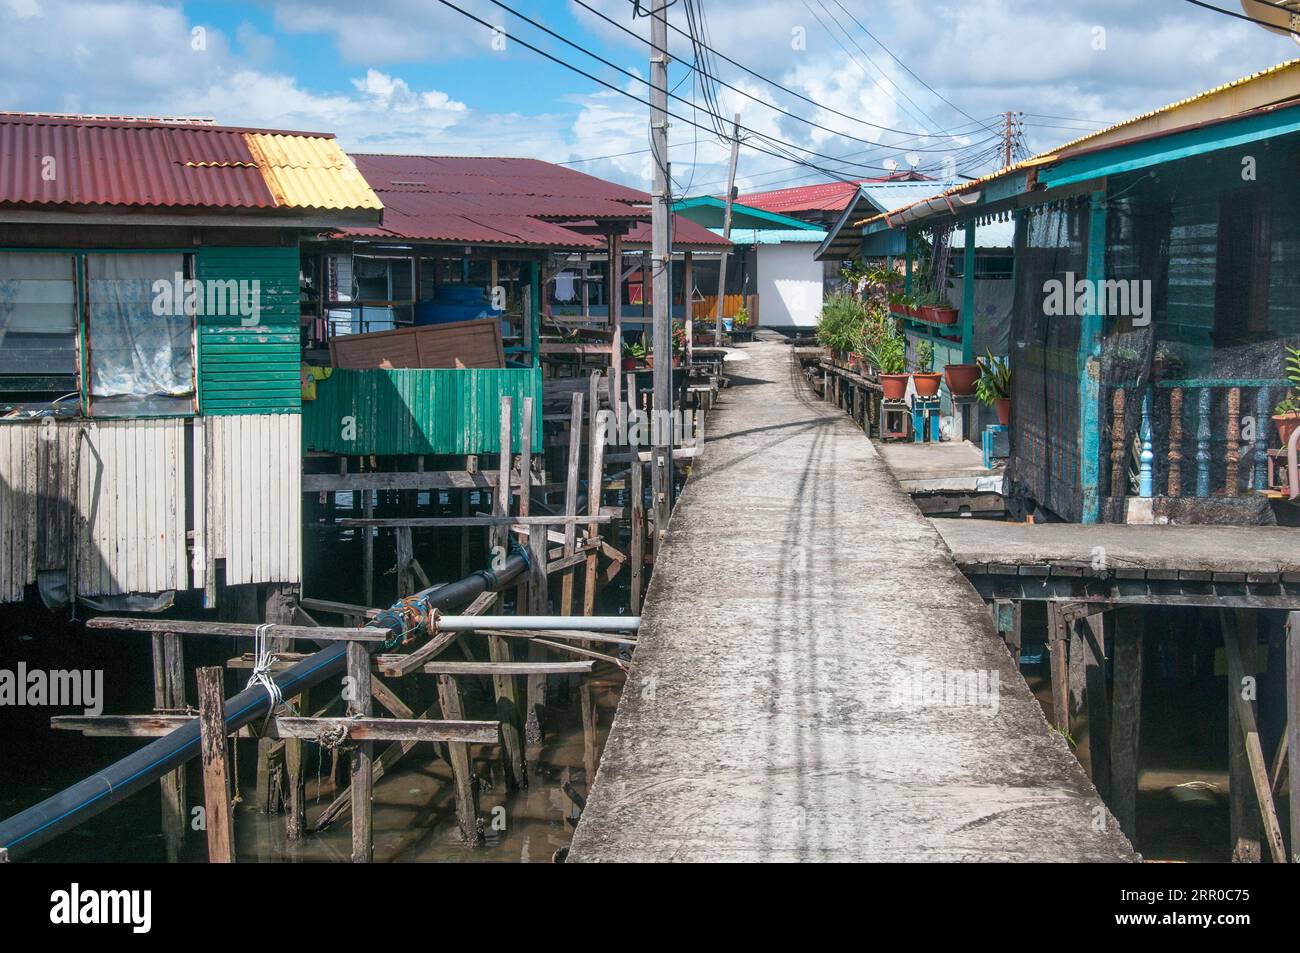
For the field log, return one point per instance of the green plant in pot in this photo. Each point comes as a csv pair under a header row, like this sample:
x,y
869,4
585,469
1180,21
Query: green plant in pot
x,y
633,354
891,358
994,385
840,325
924,379
1286,415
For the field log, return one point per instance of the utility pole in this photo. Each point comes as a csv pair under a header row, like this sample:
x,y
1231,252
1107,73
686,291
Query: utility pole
x,y
726,231
1006,141
661,460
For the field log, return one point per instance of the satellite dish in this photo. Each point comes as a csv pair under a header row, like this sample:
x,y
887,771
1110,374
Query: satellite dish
x,y
1284,15
891,165
913,159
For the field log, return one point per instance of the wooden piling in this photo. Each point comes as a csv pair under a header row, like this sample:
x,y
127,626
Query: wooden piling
x,y
636,545
1250,798
358,700
595,480
461,772
1058,647
1126,718
1097,699
1293,727
169,695
219,822
538,603
571,474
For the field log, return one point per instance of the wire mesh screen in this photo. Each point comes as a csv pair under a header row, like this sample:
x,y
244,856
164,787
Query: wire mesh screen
x,y
1051,254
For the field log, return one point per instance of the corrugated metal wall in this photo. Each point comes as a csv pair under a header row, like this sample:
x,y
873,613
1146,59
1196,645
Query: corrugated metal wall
x,y
251,370
414,411
250,499
241,474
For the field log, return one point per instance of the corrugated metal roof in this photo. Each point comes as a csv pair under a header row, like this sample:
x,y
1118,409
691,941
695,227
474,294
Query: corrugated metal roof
x,y
774,236
310,172
686,234
1084,142
821,197
72,160
493,200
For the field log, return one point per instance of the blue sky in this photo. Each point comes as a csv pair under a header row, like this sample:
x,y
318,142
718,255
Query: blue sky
x,y
413,76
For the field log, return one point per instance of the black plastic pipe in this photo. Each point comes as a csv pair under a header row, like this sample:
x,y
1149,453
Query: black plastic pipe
x,y
37,825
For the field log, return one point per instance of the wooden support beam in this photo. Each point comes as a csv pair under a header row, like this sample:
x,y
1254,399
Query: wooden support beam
x,y
1058,645
636,545
468,479
1126,718
595,479
295,795
1097,699
169,696
462,774
357,697
405,557
507,699
1293,727
239,629
498,523
571,498
1246,765
538,604
507,668
219,822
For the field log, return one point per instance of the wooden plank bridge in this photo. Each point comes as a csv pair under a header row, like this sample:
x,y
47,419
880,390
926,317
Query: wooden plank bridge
x,y
815,678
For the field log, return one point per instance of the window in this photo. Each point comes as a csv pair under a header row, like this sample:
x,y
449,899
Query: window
x,y
140,343
38,322
1241,275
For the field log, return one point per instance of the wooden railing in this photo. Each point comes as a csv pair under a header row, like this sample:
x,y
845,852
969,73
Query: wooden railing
x,y
1216,443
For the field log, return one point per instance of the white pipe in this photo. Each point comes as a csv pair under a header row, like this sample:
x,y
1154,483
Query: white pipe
x,y
529,623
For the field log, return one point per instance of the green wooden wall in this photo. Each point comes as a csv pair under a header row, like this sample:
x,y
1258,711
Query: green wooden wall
x,y
417,411
251,370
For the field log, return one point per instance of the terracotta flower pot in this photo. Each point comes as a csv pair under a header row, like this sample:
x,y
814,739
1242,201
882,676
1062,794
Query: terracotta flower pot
x,y
927,383
629,363
1286,425
944,315
894,385
961,378
1004,411
927,313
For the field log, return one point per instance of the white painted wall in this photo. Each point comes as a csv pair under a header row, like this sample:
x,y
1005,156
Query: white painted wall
x,y
789,285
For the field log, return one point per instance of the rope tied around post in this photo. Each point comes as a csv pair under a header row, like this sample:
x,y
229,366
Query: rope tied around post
x,y
264,660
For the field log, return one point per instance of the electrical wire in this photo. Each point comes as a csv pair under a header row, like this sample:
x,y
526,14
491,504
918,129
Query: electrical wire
x,y
1240,16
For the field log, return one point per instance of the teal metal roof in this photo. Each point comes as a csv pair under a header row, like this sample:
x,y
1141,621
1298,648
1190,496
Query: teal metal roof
x,y
774,236
710,211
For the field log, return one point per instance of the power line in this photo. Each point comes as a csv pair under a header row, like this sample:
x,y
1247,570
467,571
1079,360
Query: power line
x,y
757,75
833,174
1240,16
774,141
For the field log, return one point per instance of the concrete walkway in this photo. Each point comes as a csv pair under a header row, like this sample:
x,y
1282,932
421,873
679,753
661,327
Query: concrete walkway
x,y
778,706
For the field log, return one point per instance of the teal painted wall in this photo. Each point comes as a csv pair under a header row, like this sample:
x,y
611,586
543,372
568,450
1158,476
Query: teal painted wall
x,y
251,370
419,411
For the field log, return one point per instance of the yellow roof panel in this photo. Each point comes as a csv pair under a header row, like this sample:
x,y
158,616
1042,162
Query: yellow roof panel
x,y
310,172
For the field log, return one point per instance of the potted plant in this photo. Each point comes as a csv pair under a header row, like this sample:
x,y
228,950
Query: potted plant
x,y
1286,415
633,354
841,325
740,324
994,386
961,378
891,359
924,379
678,342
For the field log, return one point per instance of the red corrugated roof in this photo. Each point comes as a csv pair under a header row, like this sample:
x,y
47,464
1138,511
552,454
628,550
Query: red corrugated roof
x,y
493,200
686,234
822,197
69,161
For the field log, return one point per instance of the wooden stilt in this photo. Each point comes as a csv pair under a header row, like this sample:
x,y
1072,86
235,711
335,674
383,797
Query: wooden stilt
x,y
636,545
1293,727
405,559
571,500
595,480
358,700
1126,718
525,465
538,604
462,775
588,732
295,800
507,698
169,695
218,819
1058,645
1248,772
368,548
1098,701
